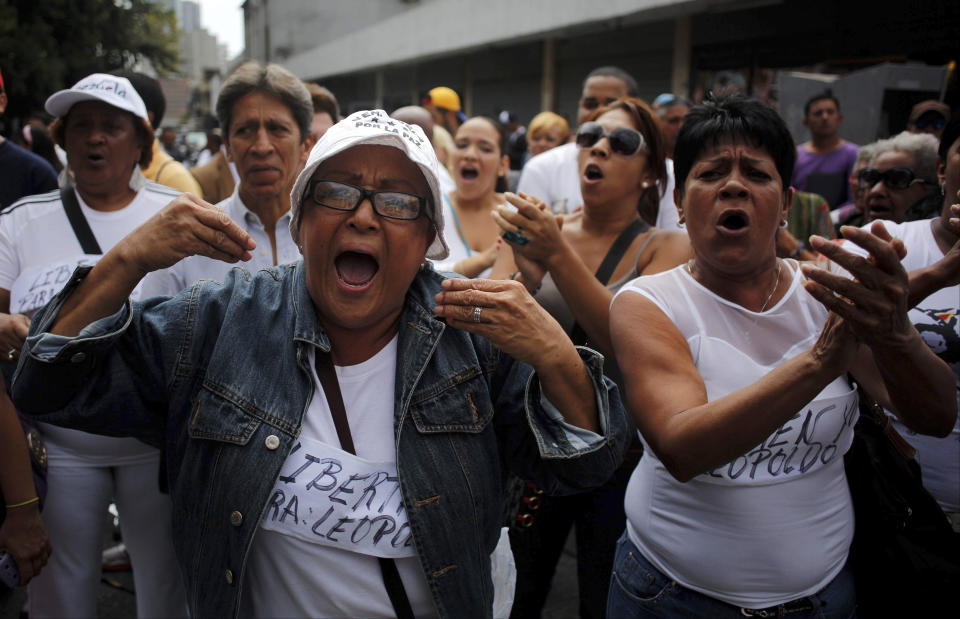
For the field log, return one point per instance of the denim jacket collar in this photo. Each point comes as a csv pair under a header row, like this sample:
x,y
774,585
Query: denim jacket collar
x,y
417,313
306,327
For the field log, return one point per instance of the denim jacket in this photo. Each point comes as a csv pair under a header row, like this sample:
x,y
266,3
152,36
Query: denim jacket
x,y
218,377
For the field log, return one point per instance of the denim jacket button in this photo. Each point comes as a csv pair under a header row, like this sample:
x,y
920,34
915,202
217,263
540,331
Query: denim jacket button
x,y
229,576
272,442
236,519
78,357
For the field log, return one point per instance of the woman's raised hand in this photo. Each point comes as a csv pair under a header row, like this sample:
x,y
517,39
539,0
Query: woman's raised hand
x,y
874,304
187,226
503,312
534,221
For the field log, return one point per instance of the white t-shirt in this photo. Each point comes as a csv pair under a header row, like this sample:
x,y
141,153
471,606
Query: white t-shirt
x,y
38,253
168,282
776,523
331,513
937,318
554,177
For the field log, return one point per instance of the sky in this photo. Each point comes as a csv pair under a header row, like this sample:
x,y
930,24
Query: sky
x,y
224,19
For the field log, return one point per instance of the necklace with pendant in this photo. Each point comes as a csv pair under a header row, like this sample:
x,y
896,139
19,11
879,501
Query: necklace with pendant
x,y
776,284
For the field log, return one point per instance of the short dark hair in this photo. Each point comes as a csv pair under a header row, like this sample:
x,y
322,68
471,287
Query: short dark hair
x,y
150,91
632,89
820,96
736,118
272,79
323,101
950,134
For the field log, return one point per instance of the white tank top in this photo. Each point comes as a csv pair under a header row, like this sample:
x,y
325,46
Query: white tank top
x,y
776,523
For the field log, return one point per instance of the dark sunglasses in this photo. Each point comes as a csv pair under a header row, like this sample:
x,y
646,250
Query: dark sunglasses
x,y
938,123
344,197
894,178
592,103
623,141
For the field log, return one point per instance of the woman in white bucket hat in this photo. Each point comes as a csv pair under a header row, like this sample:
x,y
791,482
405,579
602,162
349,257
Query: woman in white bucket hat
x,y
338,429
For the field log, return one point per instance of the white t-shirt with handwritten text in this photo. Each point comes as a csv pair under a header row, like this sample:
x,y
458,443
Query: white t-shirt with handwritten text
x,y
331,514
776,523
38,253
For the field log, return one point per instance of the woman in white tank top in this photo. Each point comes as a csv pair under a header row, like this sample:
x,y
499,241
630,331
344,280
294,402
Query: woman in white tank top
x,y
737,383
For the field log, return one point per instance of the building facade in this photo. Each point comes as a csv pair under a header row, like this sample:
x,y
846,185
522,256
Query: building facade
x,y
533,55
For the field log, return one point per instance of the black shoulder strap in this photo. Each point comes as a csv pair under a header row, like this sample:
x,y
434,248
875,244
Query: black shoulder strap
x,y
619,247
79,223
609,264
331,389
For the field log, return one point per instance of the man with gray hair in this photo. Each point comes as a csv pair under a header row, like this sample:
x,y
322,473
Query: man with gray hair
x,y
265,113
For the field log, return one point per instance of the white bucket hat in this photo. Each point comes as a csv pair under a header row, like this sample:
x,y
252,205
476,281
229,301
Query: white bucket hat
x,y
376,127
112,90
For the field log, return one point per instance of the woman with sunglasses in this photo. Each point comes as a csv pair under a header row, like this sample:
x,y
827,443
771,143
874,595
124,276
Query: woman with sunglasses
x,y
479,164
621,165
737,382
901,182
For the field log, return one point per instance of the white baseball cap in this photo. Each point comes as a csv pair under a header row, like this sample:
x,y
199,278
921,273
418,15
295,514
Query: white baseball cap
x,y
112,90
376,127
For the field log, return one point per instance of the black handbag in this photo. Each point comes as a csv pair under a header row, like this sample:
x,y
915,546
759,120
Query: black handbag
x,y
905,554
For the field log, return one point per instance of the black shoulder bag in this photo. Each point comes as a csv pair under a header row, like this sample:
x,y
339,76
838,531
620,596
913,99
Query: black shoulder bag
x,y
905,554
331,388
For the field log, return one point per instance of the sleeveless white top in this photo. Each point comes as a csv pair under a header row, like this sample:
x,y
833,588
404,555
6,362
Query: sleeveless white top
x,y
776,523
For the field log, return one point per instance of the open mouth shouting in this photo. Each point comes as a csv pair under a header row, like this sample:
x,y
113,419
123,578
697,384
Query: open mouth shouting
x,y
592,173
95,159
733,222
469,174
879,209
356,269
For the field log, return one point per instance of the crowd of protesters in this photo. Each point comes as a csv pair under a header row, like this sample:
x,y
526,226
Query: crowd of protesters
x,y
452,340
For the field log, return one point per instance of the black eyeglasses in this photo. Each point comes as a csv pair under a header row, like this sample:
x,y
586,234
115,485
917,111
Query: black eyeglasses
x,y
894,178
623,141
592,103
938,123
346,197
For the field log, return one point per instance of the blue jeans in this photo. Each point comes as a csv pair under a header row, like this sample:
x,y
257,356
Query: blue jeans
x,y
638,589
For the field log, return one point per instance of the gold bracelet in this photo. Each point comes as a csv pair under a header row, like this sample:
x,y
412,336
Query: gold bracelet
x,y
35,499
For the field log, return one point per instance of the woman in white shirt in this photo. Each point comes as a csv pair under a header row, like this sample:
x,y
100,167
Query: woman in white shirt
x,y
479,164
102,123
737,383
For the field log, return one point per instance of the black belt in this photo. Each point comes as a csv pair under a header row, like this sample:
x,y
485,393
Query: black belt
x,y
802,605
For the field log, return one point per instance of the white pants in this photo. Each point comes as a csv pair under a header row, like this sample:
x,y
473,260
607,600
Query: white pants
x,y
74,514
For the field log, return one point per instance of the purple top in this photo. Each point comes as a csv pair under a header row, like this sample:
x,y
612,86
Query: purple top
x,y
827,174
